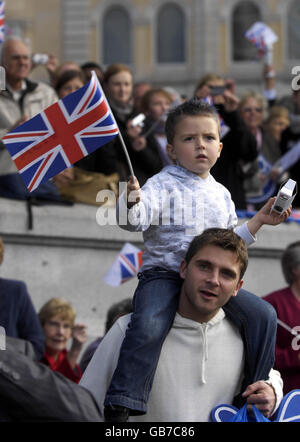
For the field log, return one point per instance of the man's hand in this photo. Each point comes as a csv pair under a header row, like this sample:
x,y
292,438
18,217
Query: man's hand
x,y
134,194
262,396
265,216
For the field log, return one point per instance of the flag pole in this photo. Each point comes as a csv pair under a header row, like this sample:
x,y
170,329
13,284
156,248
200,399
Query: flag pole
x,y
126,153
119,133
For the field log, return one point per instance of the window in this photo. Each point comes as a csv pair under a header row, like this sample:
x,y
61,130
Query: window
x,y
14,29
244,15
170,35
294,31
116,36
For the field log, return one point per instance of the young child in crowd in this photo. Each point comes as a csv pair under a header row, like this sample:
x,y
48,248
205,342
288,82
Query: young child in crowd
x,y
154,104
148,141
172,207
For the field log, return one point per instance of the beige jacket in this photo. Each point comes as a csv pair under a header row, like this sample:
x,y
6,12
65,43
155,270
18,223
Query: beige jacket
x,y
37,97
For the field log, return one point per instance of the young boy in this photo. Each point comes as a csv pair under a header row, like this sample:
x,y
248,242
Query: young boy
x,y
174,206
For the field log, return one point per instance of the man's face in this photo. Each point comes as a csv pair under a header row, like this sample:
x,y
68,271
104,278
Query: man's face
x,y
210,279
16,61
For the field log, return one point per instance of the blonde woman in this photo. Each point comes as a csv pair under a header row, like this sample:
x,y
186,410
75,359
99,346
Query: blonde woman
x,y
57,318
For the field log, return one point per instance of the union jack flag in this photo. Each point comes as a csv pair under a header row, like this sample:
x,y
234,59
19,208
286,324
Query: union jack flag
x,y
126,265
62,134
2,25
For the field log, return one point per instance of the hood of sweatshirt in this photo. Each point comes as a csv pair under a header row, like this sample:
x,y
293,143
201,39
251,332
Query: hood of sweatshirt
x,y
203,329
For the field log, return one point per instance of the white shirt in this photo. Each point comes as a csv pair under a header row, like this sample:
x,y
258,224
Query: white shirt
x,y
17,94
177,205
200,367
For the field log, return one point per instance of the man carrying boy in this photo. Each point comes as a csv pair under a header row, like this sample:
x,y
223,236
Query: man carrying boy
x,y
173,206
189,380
207,358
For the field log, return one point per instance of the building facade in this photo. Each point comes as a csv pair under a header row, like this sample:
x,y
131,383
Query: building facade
x,y
167,42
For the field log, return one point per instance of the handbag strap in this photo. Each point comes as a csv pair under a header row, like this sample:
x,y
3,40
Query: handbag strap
x,y
242,415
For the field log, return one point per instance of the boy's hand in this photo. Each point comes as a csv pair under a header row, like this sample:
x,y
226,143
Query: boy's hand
x,y
265,216
134,194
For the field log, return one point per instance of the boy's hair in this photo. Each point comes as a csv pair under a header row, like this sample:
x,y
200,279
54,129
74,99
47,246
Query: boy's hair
x,y
226,239
57,307
190,108
290,260
149,94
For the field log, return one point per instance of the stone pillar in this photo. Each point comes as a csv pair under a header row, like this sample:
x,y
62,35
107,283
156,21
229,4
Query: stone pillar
x,y
143,50
75,30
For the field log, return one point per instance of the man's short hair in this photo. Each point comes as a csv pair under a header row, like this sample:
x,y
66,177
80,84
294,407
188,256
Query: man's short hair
x,y
190,108
116,310
6,42
290,260
226,239
91,65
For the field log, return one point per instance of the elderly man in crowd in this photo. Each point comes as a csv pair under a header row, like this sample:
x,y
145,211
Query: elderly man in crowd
x,y
21,100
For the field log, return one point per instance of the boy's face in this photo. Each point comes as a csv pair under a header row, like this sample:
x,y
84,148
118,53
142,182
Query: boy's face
x,y
158,105
196,145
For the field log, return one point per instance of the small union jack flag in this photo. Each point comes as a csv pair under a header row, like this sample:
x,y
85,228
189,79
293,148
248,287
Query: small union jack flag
x,y
62,134
126,266
2,25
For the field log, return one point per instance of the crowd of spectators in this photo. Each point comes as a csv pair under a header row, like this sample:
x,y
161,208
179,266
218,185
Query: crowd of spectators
x,y
258,128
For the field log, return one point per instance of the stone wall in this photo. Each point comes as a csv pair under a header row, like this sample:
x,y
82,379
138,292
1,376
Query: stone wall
x,y
67,254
